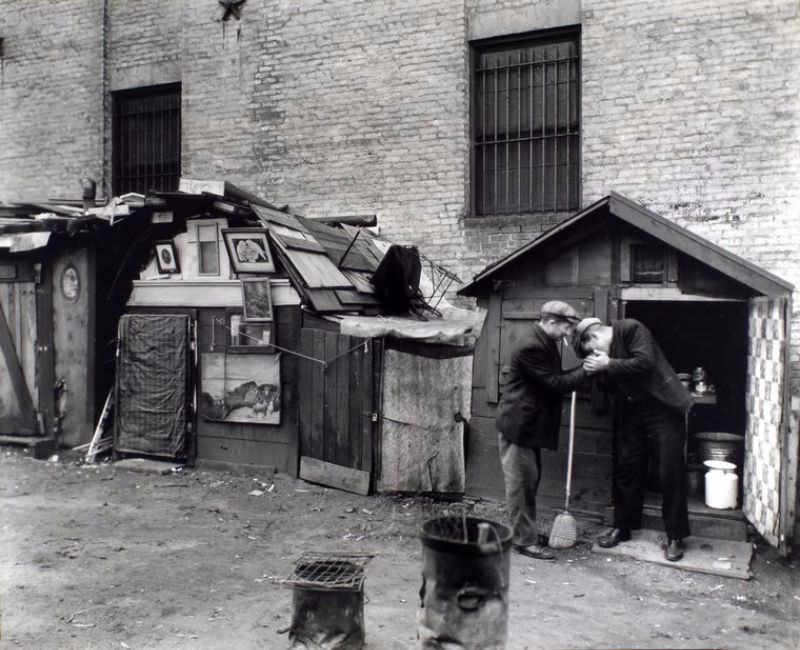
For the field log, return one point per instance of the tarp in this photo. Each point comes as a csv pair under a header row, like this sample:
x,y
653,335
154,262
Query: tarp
x,y
25,241
453,331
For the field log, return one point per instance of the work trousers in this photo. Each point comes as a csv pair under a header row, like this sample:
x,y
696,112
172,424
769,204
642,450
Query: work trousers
x,y
649,432
522,468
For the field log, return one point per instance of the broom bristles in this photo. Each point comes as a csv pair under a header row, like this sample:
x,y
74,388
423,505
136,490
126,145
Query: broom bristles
x,y
564,533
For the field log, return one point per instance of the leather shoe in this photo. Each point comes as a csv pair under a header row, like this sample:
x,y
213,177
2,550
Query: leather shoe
x,y
535,551
613,537
673,551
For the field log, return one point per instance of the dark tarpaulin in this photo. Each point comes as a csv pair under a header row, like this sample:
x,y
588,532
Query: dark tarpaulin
x,y
151,388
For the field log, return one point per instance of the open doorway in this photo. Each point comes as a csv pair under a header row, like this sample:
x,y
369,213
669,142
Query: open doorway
x,y
712,335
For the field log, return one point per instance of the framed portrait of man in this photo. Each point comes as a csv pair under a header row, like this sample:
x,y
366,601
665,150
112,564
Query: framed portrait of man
x,y
248,250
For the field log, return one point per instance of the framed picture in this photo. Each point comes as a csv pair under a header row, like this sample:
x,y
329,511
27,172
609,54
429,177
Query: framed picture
x,y
166,257
256,300
248,250
241,388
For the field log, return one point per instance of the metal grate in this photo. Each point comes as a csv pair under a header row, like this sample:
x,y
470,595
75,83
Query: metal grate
x,y
526,126
147,140
328,571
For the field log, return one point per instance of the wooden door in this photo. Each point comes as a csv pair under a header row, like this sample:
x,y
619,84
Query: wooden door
x,y
338,409
771,439
21,360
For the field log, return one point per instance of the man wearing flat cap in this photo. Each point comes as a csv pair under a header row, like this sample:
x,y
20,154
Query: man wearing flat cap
x,y
651,408
529,417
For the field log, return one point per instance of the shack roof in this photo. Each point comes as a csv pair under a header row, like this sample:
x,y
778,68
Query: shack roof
x,y
656,226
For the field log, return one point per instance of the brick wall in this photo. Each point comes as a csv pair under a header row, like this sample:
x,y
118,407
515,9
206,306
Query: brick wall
x,y
51,97
355,106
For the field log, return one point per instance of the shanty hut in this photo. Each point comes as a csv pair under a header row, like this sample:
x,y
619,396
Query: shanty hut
x,y
256,338
711,312
383,396
49,299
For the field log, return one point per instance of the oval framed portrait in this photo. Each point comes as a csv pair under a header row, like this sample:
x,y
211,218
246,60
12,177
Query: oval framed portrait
x,y
70,283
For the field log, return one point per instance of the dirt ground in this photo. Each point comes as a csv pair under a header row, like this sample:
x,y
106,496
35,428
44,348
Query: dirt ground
x,y
100,557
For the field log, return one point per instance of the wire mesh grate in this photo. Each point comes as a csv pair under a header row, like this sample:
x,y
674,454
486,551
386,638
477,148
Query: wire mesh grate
x,y
328,571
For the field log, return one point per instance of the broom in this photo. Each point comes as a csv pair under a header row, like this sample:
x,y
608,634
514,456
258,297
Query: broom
x,y
564,532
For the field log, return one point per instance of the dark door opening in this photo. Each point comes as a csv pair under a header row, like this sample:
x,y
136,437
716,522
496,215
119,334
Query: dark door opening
x,y
714,336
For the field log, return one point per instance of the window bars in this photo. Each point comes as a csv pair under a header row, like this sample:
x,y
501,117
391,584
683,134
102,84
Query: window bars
x,y
526,127
147,140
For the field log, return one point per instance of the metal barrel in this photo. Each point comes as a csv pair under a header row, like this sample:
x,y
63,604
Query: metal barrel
x,y
464,593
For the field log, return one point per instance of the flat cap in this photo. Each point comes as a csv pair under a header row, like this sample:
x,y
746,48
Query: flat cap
x,y
584,325
580,330
560,309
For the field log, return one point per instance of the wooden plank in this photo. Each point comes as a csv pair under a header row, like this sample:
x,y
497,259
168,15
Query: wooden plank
x,y
301,244
324,300
372,377
600,299
317,270
492,332
352,297
332,475
45,359
361,281
484,473
339,373
318,396
354,405
271,215
305,399
331,404
258,454
543,294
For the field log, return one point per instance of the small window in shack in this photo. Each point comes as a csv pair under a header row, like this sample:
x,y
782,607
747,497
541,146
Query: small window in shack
x,y
208,249
647,264
246,336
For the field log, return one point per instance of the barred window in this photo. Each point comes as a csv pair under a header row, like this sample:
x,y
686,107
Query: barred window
x,y
147,140
526,125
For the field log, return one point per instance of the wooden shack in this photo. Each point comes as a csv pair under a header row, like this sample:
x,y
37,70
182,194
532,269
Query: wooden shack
x,y
382,400
706,307
48,325
371,404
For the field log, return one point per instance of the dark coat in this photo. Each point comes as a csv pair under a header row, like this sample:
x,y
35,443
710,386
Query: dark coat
x,y
638,366
529,412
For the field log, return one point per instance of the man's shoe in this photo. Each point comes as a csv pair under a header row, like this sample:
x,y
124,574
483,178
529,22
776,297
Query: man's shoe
x,y
535,551
673,551
613,537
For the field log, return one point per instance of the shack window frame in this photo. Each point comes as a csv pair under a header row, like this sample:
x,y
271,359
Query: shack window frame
x,y
204,252
253,347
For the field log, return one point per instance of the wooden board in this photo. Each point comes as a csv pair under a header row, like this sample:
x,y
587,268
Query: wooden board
x,y
317,270
703,554
338,476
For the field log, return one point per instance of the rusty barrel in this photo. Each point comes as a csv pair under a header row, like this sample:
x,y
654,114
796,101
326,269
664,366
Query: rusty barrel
x,y
464,593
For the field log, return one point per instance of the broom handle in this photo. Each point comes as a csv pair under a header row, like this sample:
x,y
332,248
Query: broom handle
x,y
571,443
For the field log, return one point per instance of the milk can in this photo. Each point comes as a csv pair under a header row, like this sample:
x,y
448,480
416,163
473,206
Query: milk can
x,y
722,484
